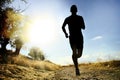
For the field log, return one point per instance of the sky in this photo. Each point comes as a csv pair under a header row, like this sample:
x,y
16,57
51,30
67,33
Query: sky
x,y
101,36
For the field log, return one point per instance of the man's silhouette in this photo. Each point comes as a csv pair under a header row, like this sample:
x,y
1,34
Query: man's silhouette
x,y
75,24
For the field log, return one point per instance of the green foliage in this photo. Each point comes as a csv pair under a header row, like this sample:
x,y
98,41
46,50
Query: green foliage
x,y
36,54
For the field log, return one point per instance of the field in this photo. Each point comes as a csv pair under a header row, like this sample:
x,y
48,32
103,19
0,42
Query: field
x,y
23,68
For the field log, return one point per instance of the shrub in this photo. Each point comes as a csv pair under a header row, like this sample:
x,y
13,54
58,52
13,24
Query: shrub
x,y
36,54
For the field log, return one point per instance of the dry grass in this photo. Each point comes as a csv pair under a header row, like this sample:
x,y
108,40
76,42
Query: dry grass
x,y
113,63
24,68
27,62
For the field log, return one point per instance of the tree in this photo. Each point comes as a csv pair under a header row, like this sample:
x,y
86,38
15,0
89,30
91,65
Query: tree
x,y
11,23
36,54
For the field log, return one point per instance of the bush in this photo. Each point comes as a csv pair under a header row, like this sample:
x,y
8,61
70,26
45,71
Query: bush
x,y
36,54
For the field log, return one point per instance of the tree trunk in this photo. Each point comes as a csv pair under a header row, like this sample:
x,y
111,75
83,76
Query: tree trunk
x,y
19,45
3,50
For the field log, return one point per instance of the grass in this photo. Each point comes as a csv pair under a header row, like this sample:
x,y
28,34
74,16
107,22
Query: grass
x,y
24,68
112,63
27,62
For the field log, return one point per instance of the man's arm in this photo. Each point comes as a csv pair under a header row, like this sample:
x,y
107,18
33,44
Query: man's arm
x,y
82,23
64,30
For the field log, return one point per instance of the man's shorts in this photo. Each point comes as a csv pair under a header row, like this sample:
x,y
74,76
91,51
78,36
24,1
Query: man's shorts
x,y
76,42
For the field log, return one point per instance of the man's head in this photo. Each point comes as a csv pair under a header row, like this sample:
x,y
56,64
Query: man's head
x,y
73,9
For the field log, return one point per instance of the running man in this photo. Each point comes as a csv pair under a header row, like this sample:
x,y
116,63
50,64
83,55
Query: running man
x,y
75,24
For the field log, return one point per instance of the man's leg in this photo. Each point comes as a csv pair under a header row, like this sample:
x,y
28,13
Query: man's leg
x,y
79,54
74,57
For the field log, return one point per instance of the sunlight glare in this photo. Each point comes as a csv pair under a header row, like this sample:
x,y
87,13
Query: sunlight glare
x,y
42,30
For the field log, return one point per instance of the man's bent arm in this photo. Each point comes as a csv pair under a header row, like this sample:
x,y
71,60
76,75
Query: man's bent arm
x,y
83,24
64,30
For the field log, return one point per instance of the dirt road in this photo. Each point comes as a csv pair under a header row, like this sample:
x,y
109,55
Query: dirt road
x,y
87,73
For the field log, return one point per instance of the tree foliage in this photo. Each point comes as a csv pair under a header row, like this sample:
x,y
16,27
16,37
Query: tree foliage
x,y
4,3
36,54
11,23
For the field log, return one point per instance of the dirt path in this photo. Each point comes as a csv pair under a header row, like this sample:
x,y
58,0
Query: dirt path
x,y
87,73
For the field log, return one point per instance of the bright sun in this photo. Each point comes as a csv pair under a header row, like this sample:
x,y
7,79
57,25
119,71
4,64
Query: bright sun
x,y
42,30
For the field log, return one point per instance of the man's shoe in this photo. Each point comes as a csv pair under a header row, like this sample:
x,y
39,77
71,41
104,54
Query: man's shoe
x,y
77,72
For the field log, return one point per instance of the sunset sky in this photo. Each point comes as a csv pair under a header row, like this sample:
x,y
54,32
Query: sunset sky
x,y
101,36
